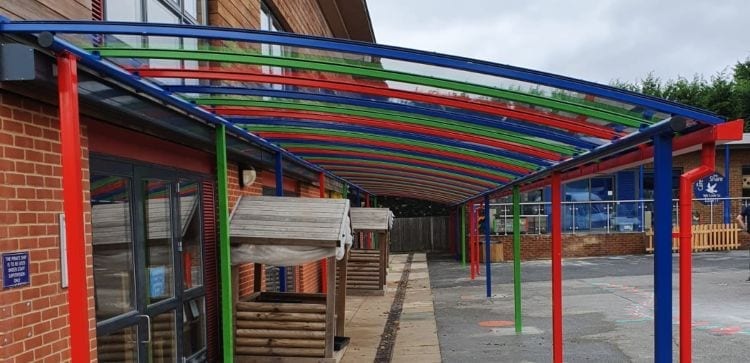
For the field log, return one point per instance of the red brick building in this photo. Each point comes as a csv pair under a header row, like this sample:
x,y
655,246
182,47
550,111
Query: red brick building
x,y
149,193
609,214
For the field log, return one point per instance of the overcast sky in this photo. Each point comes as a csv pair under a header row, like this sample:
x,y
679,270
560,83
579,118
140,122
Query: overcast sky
x,y
597,40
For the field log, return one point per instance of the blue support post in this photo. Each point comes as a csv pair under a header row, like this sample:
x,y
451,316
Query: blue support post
x,y
357,202
641,195
663,248
487,266
280,193
727,202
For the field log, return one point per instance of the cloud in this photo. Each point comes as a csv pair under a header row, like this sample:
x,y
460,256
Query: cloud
x,y
595,40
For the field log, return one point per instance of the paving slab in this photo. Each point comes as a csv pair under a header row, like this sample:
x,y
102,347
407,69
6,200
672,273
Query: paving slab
x,y
416,339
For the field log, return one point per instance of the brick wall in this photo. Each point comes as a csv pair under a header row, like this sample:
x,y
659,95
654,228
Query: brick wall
x,y
300,16
34,318
737,159
309,273
576,245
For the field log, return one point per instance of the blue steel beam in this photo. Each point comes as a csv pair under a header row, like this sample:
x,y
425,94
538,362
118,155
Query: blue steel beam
x,y
506,124
279,174
119,75
663,248
487,254
291,144
375,50
319,158
669,126
406,135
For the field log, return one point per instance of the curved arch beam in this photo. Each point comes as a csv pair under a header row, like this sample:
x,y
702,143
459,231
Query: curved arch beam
x,y
560,142
364,155
412,172
338,149
354,159
621,117
375,50
411,176
342,84
394,126
298,127
446,119
365,179
356,141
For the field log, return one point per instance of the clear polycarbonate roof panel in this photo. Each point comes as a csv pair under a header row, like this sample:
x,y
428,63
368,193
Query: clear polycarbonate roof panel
x,y
437,126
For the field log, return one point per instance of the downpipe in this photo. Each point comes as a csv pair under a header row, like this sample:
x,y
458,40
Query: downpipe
x,y
708,164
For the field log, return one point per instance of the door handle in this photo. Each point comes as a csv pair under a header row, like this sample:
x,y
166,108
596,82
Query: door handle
x,y
148,326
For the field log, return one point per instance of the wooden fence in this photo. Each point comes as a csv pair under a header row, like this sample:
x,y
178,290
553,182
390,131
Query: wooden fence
x,y
420,234
706,237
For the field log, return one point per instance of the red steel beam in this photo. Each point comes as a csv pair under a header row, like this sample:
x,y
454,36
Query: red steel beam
x,y
70,149
323,262
378,143
422,163
728,131
336,166
708,164
472,188
557,329
390,125
526,114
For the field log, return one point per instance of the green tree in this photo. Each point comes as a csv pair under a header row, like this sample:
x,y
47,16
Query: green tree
x,y
725,94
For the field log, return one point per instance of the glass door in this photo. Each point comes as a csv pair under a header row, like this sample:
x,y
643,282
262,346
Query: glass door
x,y
148,263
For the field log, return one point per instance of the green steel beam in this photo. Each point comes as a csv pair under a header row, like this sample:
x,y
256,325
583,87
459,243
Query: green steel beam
x,y
402,117
225,266
478,169
327,65
517,258
489,169
391,139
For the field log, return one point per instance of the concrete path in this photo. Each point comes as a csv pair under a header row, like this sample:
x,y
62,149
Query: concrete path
x,y
416,340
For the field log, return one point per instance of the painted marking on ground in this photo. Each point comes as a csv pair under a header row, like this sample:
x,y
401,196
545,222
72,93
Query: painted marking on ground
x,y
495,323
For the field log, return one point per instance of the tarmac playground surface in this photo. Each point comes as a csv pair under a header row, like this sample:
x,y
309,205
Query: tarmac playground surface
x,y
607,311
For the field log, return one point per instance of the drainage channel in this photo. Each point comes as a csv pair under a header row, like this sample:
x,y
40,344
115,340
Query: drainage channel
x,y
388,338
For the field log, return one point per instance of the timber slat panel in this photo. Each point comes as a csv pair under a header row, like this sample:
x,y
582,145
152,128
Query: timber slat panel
x,y
278,333
371,219
287,343
289,221
281,307
281,325
245,315
280,351
705,237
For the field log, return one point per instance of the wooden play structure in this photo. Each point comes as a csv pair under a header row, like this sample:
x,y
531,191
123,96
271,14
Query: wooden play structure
x,y
366,270
289,326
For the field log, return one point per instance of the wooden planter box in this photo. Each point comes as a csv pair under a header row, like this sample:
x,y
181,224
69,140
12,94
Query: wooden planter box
x,y
283,327
366,269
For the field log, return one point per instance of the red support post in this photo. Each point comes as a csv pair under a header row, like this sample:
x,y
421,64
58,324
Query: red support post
x,y
708,164
70,149
323,262
556,212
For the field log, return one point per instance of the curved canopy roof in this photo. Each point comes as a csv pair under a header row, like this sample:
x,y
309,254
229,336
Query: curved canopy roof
x,y
393,121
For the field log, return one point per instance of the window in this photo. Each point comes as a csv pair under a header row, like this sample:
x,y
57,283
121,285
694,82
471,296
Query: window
x,y
269,22
156,11
648,183
585,204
